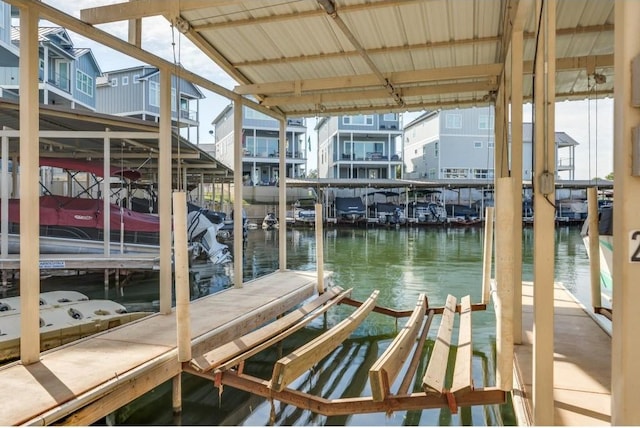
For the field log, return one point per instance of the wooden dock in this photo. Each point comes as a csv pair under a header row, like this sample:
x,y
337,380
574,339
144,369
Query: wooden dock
x,y
87,261
581,367
80,383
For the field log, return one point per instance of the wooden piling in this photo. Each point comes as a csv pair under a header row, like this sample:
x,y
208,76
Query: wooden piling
x,y
182,275
487,254
594,246
319,248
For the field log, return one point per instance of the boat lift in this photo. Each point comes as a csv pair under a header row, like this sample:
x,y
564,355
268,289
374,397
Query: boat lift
x,y
224,365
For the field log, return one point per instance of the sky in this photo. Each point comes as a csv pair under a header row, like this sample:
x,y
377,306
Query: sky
x,y
589,122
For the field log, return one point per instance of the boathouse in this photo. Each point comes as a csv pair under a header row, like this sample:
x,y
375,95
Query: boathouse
x,y
334,57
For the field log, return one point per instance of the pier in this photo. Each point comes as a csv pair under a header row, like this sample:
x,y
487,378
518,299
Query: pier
x,y
84,381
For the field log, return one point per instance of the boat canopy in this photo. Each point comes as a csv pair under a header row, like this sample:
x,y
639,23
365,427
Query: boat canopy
x,y
94,167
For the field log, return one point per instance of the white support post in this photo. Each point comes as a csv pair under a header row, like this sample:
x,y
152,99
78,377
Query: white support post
x,y
516,173
594,247
487,255
625,370
29,188
165,191
106,194
544,219
282,196
319,248
4,197
504,280
183,325
238,235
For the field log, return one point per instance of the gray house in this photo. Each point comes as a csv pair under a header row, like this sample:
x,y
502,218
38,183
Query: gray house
x,y
459,144
260,145
362,146
67,74
135,92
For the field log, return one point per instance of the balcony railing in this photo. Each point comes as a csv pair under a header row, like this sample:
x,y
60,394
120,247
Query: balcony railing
x,y
371,156
273,155
60,82
189,115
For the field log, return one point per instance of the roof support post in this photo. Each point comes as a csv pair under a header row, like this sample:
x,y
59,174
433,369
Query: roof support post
x,y
516,174
282,195
4,195
238,227
544,219
29,188
625,370
165,190
106,194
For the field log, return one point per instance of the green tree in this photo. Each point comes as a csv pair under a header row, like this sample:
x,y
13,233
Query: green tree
x,y
313,173
609,176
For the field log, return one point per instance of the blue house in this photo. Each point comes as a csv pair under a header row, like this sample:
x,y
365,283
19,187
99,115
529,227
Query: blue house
x,y
135,92
67,75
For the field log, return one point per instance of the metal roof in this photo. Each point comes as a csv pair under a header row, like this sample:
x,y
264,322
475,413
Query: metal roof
x,y
331,57
136,152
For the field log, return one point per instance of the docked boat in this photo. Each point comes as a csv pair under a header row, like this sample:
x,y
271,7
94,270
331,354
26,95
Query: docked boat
x,y
387,212
270,222
350,209
427,212
304,211
65,316
605,230
76,225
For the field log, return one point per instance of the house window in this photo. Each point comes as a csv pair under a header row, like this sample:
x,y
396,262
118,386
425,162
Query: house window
x,y
114,82
154,94
389,117
485,122
2,16
454,121
174,102
84,83
40,62
455,172
136,79
490,144
125,80
477,144
361,119
484,174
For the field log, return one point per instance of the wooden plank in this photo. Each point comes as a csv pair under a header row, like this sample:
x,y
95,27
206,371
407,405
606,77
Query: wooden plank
x,y
264,345
254,342
293,365
462,378
357,405
385,370
433,380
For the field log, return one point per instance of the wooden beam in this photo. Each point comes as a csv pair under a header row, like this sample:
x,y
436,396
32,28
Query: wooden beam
x,y
386,368
142,9
220,354
400,79
462,377
357,405
433,380
373,94
289,368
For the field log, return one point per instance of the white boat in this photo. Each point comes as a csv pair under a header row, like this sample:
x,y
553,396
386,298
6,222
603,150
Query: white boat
x,y
65,316
270,222
605,226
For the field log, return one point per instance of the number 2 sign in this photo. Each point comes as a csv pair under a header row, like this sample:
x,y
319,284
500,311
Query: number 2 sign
x,y
634,246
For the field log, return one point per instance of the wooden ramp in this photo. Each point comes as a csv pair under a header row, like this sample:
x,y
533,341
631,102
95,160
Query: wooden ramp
x,y
225,365
81,382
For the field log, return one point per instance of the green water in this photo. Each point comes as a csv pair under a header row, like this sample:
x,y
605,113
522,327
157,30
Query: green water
x,y
401,264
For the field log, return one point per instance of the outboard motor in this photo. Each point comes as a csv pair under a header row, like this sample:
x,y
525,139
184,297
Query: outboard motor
x,y
202,233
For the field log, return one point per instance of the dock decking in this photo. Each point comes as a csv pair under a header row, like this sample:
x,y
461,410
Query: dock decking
x,y
582,364
87,261
81,382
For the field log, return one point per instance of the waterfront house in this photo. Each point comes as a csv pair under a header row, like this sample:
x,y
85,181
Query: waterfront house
x,y
135,92
360,146
260,146
459,144
67,75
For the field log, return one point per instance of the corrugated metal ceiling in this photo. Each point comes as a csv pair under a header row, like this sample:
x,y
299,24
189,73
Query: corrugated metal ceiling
x,y
303,58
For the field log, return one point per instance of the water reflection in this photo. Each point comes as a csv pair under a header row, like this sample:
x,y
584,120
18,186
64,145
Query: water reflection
x,y
401,264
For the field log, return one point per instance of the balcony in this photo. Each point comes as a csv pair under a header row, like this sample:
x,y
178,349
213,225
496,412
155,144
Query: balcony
x,y
60,82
